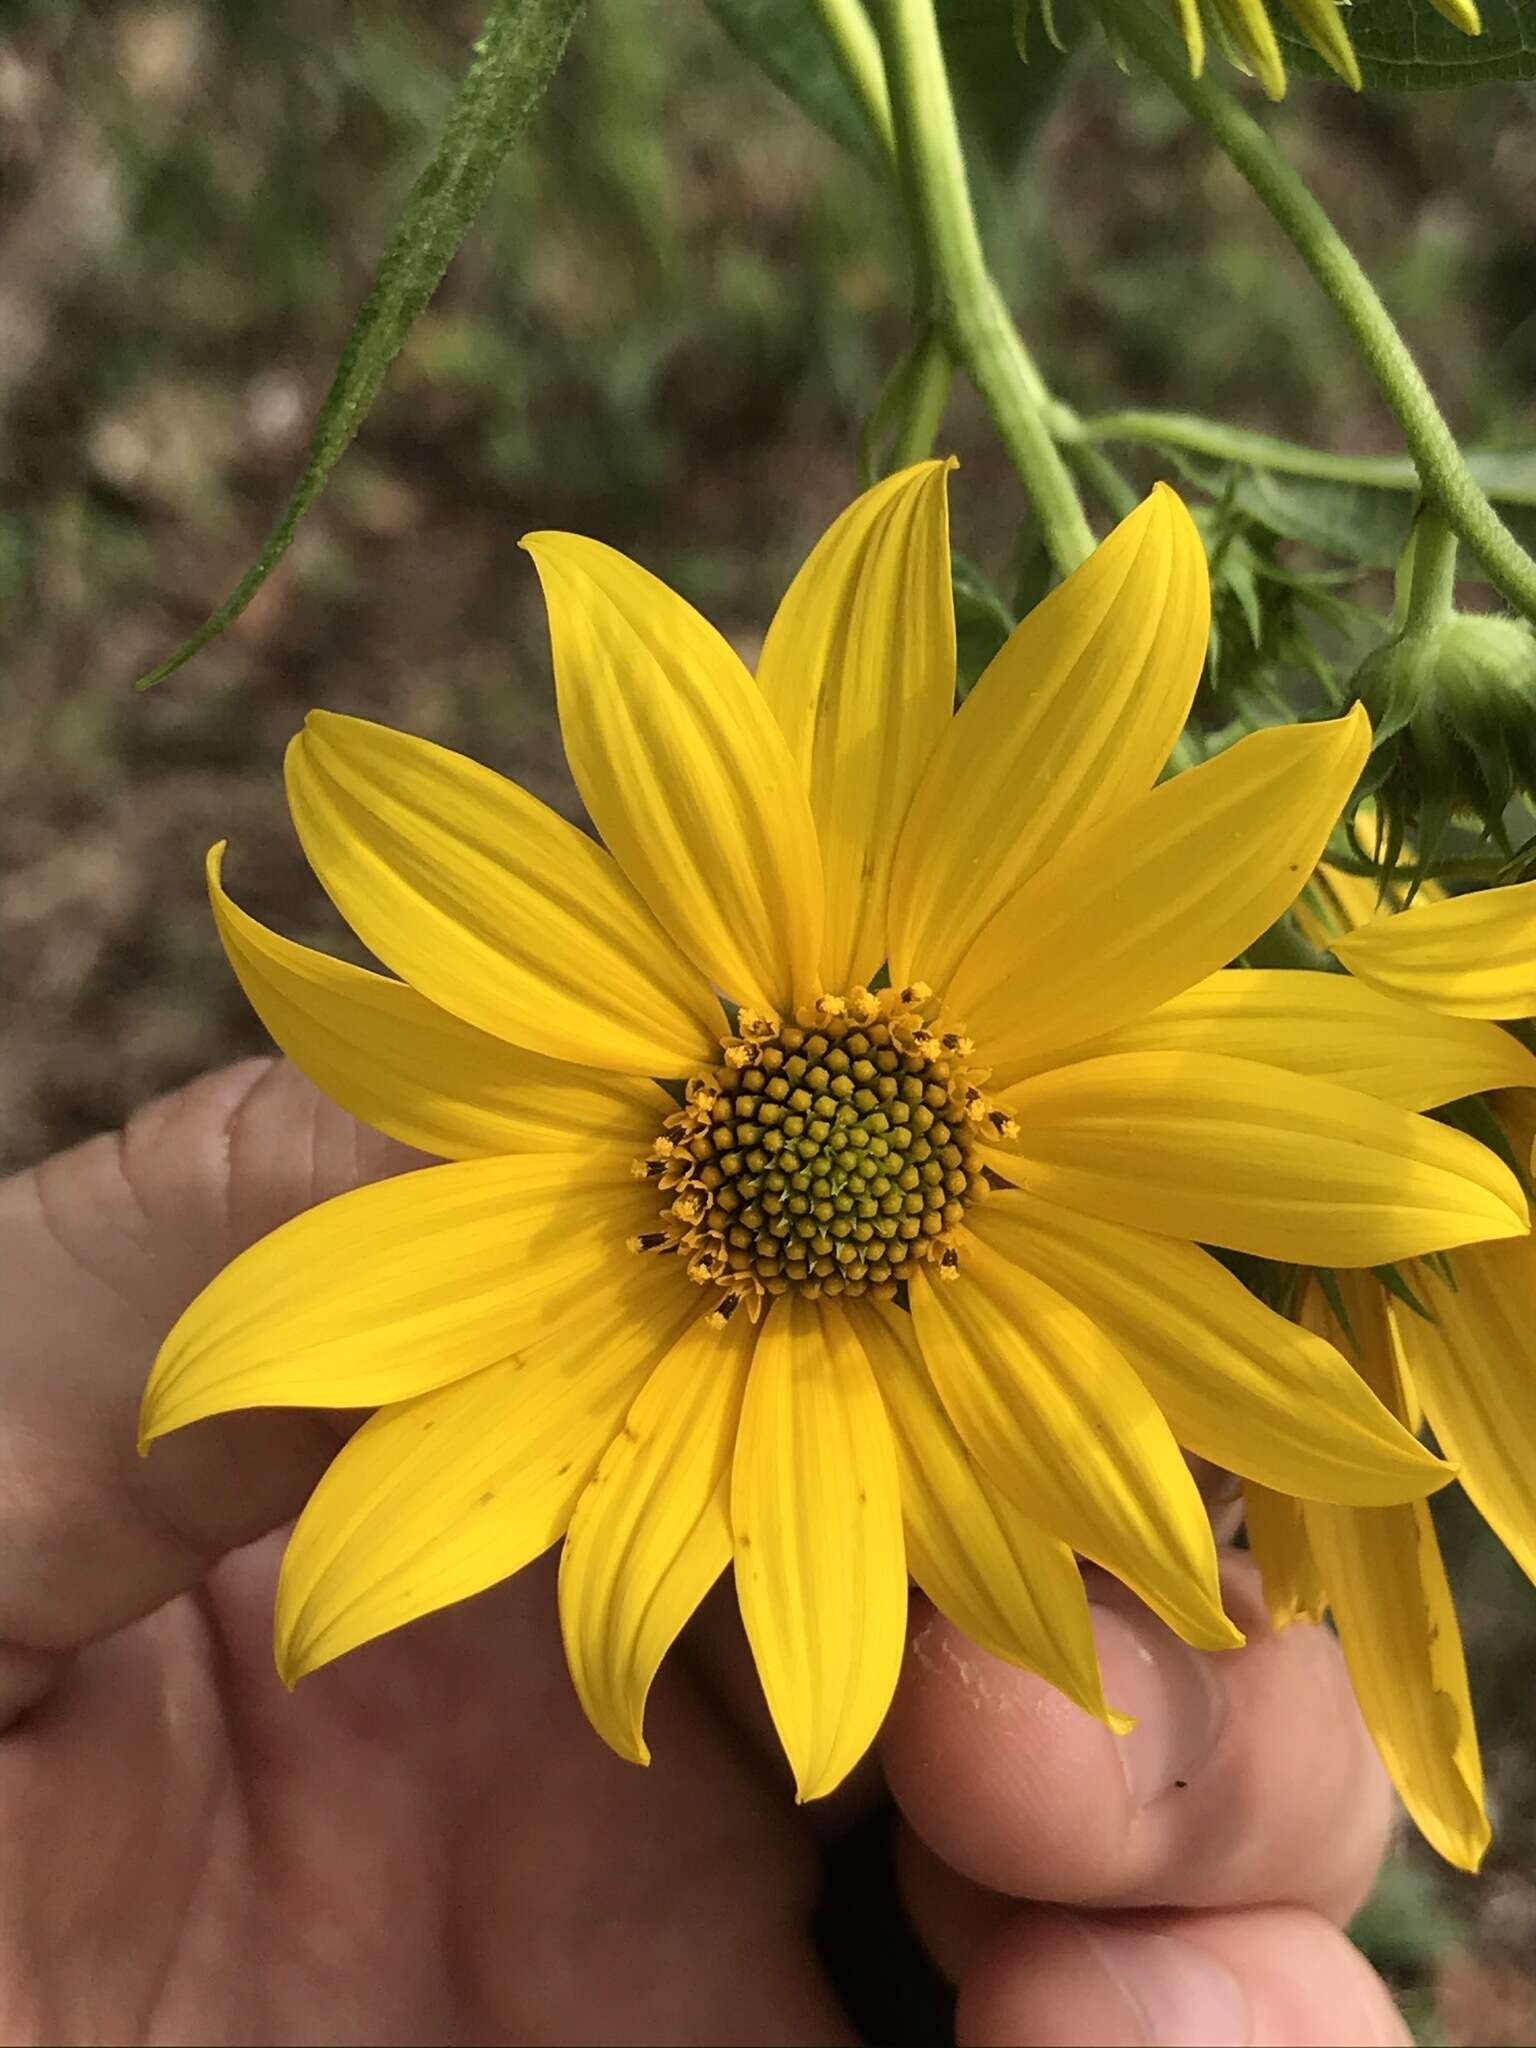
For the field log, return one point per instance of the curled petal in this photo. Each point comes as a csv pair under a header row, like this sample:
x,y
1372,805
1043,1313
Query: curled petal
x,y
398,1062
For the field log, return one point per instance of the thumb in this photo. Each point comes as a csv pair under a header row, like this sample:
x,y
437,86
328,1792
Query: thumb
x,y
102,1248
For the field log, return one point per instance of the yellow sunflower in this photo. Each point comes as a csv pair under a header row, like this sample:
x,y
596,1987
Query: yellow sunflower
x,y
762,1315
1467,1365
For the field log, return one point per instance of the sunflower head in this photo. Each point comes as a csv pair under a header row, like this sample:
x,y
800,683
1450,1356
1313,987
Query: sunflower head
x,y
812,889
827,1155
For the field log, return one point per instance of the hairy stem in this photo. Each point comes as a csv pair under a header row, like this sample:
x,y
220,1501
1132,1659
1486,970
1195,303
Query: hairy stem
x,y
1427,575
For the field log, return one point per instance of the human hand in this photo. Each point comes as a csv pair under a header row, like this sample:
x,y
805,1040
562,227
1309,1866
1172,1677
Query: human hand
x,y
429,1844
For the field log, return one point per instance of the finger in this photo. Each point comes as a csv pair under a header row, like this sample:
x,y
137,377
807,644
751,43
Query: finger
x,y
1249,1778
1269,1977
103,1246
954,1918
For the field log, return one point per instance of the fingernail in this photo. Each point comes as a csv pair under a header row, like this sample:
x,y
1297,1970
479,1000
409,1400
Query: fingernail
x,y
1169,1688
1175,1992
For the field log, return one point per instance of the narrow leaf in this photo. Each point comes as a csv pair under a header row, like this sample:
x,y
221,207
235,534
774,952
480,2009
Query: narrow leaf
x,y
787,42
522,42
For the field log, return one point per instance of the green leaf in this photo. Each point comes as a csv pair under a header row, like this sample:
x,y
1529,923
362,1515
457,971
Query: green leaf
x,y
1405,46
1002,101
786,40
1357,522
522,42
1356,508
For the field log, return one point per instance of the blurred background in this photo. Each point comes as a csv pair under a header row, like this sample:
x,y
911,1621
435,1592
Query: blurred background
x,y
666,329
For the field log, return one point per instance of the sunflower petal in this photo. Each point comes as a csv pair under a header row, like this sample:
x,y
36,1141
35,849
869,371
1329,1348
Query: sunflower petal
x,y
1232,1153
1397,1627
859,669
684,771
396,1061
1277,1542
1473,1368
1239,1385
652,1532
437,1498
490,905
1323,26
1154,899
1014,1590
1470,956
1321,1024
821,1570
1252,37
1075,715
399,1287
1058,1421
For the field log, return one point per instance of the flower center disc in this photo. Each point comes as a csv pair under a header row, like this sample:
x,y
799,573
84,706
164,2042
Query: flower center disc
x,y
825,1154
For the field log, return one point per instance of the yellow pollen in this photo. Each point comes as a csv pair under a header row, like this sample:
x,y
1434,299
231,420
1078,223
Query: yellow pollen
x,y
826,1155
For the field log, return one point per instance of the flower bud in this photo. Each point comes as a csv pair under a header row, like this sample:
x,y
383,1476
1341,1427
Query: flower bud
x,y
1453,709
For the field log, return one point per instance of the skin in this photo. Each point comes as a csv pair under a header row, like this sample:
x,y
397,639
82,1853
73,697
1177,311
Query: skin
x,y
427,1844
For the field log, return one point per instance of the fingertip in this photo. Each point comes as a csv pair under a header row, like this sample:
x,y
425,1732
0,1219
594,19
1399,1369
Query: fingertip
x,y
1248,1778
1267,1977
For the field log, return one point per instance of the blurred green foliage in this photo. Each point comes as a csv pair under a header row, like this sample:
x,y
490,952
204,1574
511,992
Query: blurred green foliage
x,y
666,328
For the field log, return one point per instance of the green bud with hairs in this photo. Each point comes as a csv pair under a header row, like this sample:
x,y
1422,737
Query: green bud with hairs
x,y
1453,712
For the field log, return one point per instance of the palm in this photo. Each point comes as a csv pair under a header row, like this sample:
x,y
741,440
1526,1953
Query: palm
x,y
426,1843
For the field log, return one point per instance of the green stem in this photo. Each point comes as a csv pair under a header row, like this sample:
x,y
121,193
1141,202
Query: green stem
x,y
1119,494
857,50
927,401
981,335
1442,467
1240,444
1428,573
905,419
